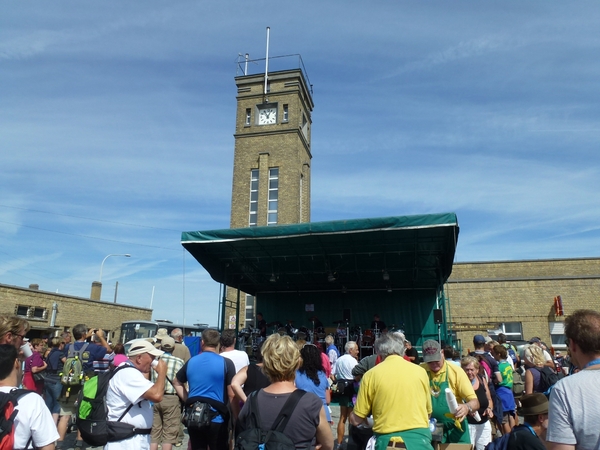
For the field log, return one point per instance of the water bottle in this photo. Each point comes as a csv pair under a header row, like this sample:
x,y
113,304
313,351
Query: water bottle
x,y
432,424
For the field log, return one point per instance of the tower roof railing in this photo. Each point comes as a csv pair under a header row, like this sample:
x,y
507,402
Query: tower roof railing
x,y
245,66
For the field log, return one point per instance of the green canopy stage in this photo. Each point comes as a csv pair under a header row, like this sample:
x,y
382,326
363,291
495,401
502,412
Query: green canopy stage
x,y
345,269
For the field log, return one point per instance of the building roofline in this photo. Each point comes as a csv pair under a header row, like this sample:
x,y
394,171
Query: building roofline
x,y
518,261
69,297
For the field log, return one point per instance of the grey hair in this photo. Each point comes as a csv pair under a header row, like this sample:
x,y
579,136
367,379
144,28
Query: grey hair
x,y
176,333
391,344
350,345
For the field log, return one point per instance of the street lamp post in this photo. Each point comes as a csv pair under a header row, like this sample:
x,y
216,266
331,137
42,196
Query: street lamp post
x,y
97,285
127,255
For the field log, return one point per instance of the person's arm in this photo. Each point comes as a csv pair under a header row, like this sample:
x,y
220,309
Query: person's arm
x,y
179,383
234,404
324,435
356,420
102,340
466,408
36,369
498,377
238,381
528,382
157,391
182,392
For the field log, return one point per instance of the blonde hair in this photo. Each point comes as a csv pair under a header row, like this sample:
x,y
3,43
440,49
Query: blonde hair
x,y
281,358
469,360
535,355
12,324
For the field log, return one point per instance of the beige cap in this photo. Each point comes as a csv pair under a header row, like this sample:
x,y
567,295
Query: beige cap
x,y
140,346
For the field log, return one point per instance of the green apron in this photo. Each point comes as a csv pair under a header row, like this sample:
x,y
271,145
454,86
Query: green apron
x,y
440,408
415,439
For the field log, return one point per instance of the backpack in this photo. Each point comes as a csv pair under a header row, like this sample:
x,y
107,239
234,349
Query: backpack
x,y
92,412
72,374
500,443
255,438
548,378
8,413
518,384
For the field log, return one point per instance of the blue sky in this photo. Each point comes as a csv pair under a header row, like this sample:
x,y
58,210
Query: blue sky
x,y
117,122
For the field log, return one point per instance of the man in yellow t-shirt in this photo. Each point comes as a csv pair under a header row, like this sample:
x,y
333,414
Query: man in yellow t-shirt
x,y
396,393
441,376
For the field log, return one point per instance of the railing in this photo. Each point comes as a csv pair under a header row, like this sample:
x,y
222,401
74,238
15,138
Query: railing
x,y
246,66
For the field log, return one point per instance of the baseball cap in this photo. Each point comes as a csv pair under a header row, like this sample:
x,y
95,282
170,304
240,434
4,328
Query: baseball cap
x,y
140,346
534,340
478,339
167,344
431,351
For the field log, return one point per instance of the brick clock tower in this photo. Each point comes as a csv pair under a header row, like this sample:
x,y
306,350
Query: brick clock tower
x,y
271,168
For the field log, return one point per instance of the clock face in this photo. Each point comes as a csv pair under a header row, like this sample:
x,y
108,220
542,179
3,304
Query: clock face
x,y
267,116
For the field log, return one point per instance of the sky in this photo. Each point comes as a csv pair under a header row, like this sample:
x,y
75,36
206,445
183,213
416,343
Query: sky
x,y
117,122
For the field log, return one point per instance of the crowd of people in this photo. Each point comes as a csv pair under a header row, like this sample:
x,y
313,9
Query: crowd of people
x,y
388,399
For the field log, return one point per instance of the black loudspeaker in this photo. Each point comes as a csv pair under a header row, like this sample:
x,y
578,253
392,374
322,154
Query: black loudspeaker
x,y
438,317
347,317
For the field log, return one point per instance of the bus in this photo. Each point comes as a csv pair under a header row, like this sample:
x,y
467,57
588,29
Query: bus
x,y
144,329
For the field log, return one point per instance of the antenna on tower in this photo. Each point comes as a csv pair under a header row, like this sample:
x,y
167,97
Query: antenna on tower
x,y
267,60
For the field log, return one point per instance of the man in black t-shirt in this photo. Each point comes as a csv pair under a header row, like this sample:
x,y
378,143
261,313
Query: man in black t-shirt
x,y
378,324
261,324
411,353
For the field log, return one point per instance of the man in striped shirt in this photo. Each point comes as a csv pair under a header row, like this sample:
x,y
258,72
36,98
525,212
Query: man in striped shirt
x,y
167,413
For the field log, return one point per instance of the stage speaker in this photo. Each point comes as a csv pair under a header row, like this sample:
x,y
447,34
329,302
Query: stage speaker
x,y
347,316
438,317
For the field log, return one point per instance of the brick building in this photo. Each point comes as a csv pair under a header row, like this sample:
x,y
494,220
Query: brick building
x,y
52,313
518,297
272,161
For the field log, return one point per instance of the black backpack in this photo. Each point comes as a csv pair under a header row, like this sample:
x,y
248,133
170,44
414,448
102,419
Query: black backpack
x,y
256,438
92,413
548,378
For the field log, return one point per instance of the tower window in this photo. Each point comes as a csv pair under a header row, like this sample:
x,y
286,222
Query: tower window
x,y
286,116
273,196
252,221
248,113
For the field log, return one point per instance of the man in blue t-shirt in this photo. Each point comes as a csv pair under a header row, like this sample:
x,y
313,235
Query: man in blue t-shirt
x,y
92,352
209,378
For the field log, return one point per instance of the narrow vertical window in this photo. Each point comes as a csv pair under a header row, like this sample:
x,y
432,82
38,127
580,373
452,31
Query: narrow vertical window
x,y
248,113
286,116
252,221
273,196
300,195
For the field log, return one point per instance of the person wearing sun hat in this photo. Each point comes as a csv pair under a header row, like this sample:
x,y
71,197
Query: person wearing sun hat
x,y
532,434
131,387
441,376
